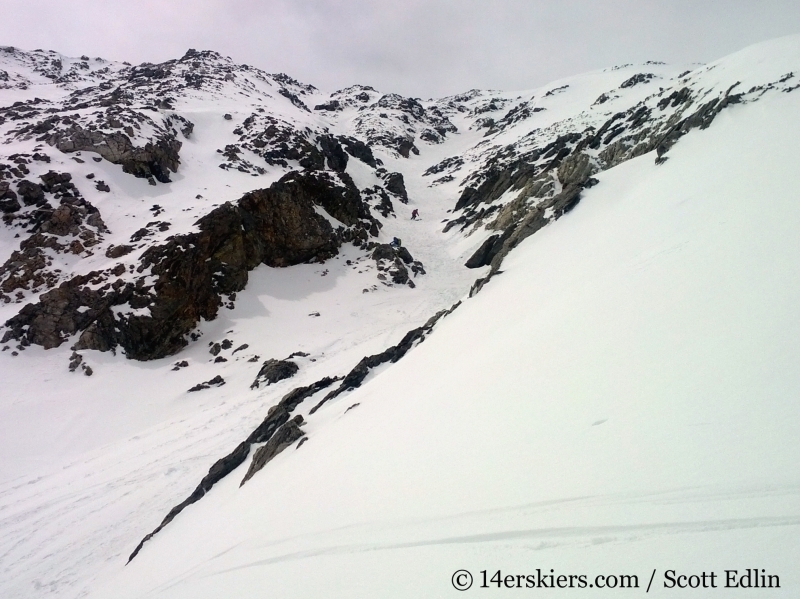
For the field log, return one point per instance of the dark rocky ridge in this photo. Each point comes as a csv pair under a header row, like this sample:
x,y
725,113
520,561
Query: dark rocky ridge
x,y
278,226
279,142
122,113
108,125
356,376
277,416
395,183
549,178
287,434
278,432
156,159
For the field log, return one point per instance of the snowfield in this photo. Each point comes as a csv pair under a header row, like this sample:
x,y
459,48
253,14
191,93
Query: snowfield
x,y
621,399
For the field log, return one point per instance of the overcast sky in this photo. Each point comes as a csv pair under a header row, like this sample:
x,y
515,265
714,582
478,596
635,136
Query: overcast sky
x,y
414,47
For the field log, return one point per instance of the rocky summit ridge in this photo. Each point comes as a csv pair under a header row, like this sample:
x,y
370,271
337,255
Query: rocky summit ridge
x,y
512,182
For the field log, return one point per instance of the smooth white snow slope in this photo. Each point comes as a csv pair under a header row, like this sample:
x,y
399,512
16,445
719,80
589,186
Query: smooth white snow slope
x,y
623,397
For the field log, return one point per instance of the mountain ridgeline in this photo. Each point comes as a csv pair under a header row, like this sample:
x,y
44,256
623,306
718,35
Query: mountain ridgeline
x,y
513,181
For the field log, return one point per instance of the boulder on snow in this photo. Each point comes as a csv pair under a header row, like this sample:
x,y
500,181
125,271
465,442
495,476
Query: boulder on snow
x,y
396,184
217,381
8,199
31,193
484,254
273,371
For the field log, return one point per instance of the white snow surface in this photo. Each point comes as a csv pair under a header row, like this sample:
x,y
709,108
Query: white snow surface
x,y
622,398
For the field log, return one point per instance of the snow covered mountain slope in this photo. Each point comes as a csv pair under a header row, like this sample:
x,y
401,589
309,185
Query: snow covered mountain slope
x,y
617,393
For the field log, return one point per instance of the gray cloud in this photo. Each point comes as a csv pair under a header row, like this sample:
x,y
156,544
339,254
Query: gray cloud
x,y
415,47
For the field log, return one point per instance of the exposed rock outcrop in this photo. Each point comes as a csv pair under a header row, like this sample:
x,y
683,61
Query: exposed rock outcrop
x,y
278,432
360,372
486,252
394,262
156,159
273,371
283,438
550,177
277,416
191,273
8,199
358,149
396,184
217,381
73,227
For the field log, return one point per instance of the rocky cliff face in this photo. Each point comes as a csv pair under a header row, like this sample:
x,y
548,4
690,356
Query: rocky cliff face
x,y
521,187
190,276
148,302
